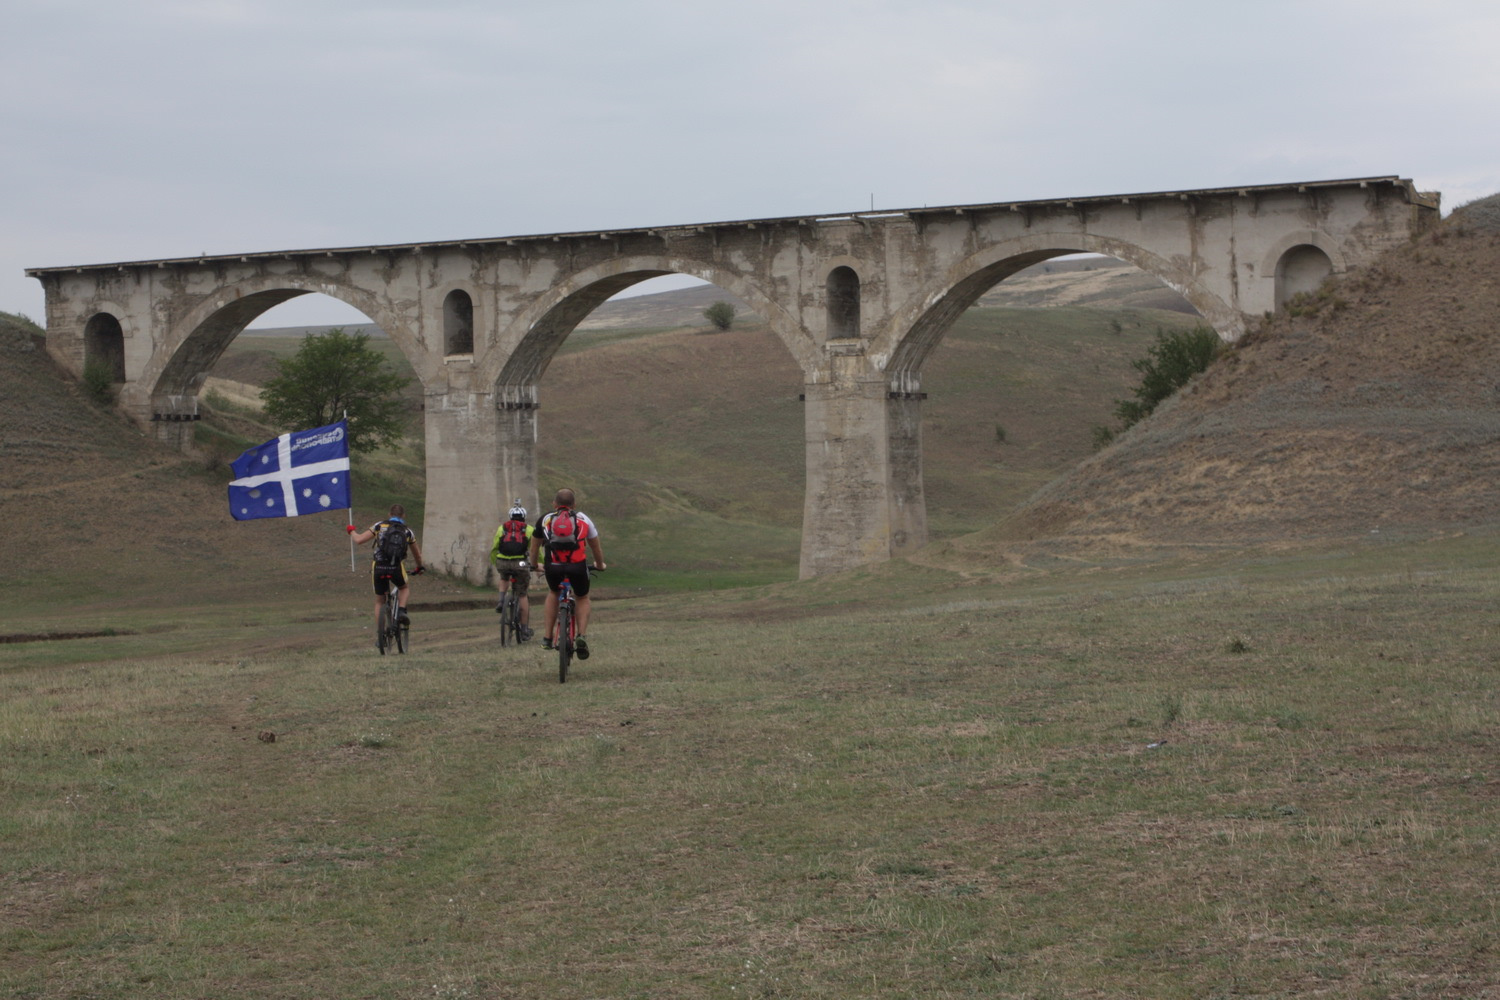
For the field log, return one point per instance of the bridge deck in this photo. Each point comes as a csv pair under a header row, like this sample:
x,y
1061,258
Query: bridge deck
x,y
1405,186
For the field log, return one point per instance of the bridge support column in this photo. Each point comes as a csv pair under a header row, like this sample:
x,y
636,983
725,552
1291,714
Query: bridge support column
x,y
481,454
864,475
908,497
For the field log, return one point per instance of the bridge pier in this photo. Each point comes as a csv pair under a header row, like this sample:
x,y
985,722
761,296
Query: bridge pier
x,y
864,500
480,456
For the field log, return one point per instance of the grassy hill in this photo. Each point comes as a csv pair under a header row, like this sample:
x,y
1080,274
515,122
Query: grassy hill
x,y
1370,409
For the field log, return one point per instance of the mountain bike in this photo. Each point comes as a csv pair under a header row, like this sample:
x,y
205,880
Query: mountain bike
x,y
392,632
510,620
566,635
511,628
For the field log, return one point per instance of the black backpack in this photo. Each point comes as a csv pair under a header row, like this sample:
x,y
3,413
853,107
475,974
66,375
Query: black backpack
x,y
390,547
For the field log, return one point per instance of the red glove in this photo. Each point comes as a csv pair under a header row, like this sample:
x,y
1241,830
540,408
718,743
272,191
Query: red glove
x,y
350,528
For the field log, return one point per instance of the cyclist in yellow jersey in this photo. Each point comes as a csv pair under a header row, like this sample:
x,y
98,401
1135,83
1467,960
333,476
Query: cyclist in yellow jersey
x,y
508,553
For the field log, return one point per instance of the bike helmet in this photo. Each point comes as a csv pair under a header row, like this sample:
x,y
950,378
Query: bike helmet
x,y
517,513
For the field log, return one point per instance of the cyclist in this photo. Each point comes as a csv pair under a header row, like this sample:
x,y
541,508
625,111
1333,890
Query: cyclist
x,y
508,552
566,559
388,566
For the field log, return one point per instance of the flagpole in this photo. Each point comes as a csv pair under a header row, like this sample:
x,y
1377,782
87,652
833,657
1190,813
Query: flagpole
x,y
351,508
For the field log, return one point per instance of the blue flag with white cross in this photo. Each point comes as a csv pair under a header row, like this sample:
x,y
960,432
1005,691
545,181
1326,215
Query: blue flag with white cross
x,y
304,472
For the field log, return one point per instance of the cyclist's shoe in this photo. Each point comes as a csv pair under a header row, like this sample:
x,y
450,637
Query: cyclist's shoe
x,y
402,618
581,647
526,633
500,606
547,643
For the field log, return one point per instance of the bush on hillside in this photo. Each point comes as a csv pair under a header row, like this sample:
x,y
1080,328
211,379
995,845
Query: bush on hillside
x,y
720,314
99,382
1169,364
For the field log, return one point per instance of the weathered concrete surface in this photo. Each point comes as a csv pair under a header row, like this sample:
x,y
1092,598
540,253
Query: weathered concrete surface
x,y
858,300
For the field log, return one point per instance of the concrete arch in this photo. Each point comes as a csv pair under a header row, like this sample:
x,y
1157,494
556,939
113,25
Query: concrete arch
x,y
1301,270
1302,237
458,320
104,343
843,292
539,330
196,341
916,329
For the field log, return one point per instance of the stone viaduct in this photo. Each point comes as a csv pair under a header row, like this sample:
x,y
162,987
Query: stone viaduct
x,y
859,300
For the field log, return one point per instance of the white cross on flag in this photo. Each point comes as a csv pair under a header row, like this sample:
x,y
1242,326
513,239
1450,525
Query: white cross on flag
x,y
304,472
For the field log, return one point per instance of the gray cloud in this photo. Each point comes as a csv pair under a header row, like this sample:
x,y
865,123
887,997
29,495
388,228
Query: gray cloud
x,y
173,128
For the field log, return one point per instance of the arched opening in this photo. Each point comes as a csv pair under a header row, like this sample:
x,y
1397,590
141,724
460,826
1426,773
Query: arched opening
x,y
1016,384
458,323
684,441
1300,271
104,345
843,303
228,360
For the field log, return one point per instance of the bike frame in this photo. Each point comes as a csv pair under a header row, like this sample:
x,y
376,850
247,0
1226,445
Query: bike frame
x,y
566,629
395,634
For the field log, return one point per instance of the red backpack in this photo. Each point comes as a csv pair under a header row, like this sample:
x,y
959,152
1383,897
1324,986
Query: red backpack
x,y
513,538
565,535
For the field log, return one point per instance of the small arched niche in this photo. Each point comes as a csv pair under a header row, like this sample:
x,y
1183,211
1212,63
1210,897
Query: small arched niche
x,y
104,344
458,323
843,304
1301,269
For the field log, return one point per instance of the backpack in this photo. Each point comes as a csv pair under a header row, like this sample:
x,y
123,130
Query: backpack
x,y
390,548
512,539
565,533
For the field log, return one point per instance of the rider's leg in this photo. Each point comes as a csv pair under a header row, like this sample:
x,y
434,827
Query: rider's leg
x,y
379,603
551,614
504,585
583,614
403,594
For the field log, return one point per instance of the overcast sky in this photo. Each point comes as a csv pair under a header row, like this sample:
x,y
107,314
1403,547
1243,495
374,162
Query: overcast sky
x,y
170,128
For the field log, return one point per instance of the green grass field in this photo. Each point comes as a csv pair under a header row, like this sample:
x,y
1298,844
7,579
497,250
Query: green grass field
x,y
1265,775
1005,770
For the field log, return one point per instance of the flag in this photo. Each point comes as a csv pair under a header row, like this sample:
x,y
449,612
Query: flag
x,y
304,472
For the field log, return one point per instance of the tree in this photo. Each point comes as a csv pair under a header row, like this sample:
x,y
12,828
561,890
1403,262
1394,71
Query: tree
x,y
335,373
720,314
1169,364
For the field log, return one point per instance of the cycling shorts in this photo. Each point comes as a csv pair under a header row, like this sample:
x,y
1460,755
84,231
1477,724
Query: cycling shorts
x,y
575,573
384,576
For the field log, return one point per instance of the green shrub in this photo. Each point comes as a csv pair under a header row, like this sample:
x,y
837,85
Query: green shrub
x,y
1169,364
720,314
99,382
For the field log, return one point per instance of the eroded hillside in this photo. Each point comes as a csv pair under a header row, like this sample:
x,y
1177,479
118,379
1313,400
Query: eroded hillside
x,y
1375,408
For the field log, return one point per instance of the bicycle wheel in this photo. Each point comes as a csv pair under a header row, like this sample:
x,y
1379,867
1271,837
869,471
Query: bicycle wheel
x,y
383,627
564,641
507,612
